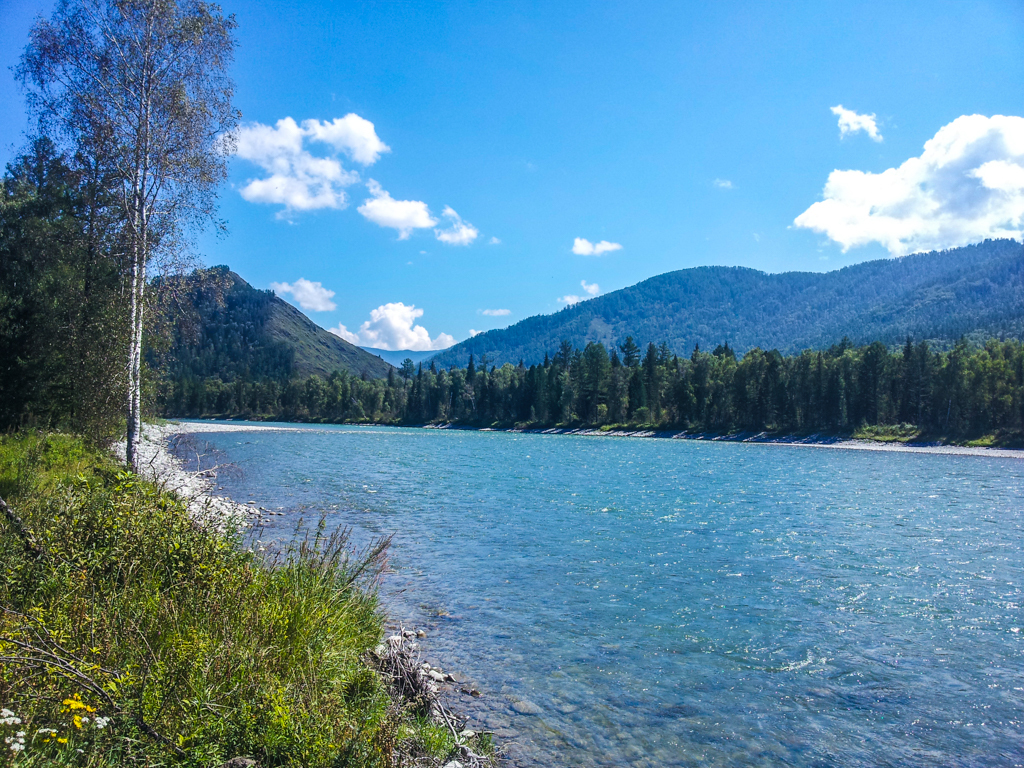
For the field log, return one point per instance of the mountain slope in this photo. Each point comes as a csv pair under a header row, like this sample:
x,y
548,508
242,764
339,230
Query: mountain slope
x,y
235,331
940,296
316,350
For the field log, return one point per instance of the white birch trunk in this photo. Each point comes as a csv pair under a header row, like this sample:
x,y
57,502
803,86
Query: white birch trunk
x,y
134,399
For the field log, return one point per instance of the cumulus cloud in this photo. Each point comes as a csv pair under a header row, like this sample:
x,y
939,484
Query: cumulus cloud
x,y
311,296
298,179
459,232
474,332
967,186
403,215
351,134
494,241
393,326
851,122
495,312
723,183
583,247
590,289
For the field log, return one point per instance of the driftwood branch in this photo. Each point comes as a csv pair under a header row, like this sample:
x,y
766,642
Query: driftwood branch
x,y
413,689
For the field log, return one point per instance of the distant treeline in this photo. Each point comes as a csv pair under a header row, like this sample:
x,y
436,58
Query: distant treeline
x,y
961,392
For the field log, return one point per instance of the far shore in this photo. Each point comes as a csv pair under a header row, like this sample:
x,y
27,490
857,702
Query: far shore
x,y
172,427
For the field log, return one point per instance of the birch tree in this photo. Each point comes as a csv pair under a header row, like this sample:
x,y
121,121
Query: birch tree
x,y
140,89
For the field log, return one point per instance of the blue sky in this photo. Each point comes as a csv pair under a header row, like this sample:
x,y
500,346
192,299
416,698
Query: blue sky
x,y
687,133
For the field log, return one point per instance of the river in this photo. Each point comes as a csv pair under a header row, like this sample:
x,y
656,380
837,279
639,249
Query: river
x,y
656,602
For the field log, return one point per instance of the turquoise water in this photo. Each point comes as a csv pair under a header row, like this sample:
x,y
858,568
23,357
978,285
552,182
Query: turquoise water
x,y
675,602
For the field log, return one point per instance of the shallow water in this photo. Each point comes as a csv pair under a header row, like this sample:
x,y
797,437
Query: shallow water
x,y
675,602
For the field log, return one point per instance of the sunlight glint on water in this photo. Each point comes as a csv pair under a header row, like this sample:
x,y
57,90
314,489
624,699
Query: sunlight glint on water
x,y
671,602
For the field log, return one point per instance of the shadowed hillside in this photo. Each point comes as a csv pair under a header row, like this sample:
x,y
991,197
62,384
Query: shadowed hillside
x,y
975,291
233,331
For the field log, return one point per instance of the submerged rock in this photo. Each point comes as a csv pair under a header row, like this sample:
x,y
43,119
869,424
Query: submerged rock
x,y
525,707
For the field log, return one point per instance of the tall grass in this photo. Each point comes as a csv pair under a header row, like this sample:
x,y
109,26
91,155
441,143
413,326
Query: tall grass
x,y
116,604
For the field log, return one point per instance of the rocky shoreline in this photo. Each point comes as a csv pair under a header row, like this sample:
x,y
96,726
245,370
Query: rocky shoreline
x,y
159,464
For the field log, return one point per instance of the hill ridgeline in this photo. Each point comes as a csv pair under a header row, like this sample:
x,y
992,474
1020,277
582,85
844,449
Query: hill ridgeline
x,y
976,291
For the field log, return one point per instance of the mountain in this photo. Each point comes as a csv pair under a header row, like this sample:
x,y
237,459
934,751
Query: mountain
x,y
398,356
975,291
232,330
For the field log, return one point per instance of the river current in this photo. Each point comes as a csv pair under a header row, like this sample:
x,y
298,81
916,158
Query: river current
x,y
656,602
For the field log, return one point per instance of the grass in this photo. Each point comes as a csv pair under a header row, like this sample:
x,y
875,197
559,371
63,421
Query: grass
x,y
888,433
133,636
908,433
1001,439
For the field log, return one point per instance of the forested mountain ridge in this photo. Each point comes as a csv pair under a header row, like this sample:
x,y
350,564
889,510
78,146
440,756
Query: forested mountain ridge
x,y
233,331
975,291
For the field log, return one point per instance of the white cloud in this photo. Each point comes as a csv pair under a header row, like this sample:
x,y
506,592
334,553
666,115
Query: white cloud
x,y
583,247
495,312
459,233
723,183
591,288
967,185
299,180
474,332
851,122
494,241
403,215
351,134
311,296
571,299
393,326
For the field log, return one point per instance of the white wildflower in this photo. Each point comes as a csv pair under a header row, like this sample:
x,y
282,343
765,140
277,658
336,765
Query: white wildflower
x,y
17,747
46,732
10,719
20,734
101,722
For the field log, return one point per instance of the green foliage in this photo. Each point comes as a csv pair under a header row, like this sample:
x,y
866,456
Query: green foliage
x,y
62,332
871,391
888,433
976,291
197,648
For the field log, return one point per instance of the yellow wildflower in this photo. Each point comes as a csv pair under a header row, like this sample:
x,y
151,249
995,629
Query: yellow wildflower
x,y
77,720
62,740
75,703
